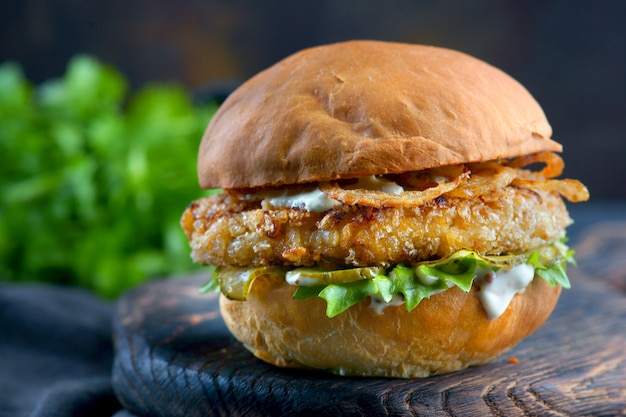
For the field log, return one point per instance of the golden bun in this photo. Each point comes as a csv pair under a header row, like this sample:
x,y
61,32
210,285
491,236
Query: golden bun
x,y
448,332
361,108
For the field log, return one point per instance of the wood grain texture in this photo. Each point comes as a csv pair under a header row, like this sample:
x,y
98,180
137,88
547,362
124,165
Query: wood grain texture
x,y
176,358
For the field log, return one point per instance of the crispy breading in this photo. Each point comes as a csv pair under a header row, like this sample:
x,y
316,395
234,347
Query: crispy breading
x,y
226,231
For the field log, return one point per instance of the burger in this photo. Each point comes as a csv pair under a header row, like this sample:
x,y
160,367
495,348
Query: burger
x,y
383,209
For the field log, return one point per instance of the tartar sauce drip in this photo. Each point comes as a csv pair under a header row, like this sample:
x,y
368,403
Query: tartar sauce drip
x,y
497,291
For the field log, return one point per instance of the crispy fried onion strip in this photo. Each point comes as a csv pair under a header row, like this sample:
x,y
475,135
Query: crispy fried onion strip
x,y
572,190
554,163
485,178
465,181
379,199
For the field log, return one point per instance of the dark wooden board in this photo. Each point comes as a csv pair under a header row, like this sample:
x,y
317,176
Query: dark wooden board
x,y
174,357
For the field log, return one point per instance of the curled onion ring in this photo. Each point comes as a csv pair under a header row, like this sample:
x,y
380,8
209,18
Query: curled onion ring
x,y
554,163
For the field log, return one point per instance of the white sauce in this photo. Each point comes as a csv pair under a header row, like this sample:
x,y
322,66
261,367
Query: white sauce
x,y
313,199
295,277
378,304
497,292
373,183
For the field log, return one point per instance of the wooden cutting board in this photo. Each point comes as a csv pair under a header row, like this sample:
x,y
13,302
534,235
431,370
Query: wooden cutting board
x,y
175,357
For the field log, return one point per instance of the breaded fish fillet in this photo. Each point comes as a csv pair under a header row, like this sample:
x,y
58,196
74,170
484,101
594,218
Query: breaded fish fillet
x,y
226,231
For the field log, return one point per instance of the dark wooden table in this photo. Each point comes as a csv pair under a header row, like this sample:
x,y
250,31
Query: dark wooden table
x,y
174,357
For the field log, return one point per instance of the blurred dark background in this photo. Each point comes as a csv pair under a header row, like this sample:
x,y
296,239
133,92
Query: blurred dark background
x,y
571,54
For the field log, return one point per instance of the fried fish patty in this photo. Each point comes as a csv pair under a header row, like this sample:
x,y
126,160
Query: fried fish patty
x,y
226,231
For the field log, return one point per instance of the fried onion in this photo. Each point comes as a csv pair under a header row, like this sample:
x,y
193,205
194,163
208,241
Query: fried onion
x,y
572,190
379,199
554,163
421,180
485,178
464,181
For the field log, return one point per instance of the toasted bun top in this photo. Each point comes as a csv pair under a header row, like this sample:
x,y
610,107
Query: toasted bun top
x,y
361,108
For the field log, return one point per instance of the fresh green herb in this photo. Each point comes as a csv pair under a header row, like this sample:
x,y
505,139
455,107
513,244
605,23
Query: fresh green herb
x,y
94,177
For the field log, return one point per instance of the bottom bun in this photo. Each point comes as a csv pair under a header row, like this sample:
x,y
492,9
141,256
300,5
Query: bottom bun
x,y
448,332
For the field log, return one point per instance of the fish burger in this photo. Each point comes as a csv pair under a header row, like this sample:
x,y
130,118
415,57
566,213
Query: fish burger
x,y
385,209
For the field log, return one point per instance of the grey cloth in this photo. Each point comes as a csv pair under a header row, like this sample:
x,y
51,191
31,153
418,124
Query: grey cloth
x,y
56,352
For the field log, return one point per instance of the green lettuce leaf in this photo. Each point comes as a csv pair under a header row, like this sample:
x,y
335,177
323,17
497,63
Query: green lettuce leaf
x,y
212,285
554,274
400,280
403,281
458,269
340,297
414,284
427,279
